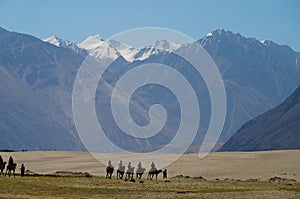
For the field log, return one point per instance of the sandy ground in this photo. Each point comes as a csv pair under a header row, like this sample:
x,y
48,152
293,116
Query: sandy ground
x,y
221,165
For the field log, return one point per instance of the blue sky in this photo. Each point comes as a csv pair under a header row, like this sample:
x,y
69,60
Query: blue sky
x,y
277,20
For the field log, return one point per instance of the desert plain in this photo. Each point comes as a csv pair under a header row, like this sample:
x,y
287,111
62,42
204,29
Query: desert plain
x,y
266,174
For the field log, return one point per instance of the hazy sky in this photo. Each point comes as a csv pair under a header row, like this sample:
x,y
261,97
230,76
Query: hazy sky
x,y
277,20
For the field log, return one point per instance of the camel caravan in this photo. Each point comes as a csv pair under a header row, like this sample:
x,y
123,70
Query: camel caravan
x,y
10,168
129,173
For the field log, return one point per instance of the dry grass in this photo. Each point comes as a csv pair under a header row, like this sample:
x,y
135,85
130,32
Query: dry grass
x,y
99,187
260,166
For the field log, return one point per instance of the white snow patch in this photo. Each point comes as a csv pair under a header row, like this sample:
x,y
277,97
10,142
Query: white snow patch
x,y
52,40
262,41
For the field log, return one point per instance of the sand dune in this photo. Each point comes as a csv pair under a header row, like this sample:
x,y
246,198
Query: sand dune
x,y
235,165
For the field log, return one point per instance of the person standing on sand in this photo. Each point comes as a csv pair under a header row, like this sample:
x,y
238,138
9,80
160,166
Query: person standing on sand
x,y
22,170
165,175
1,160
10,161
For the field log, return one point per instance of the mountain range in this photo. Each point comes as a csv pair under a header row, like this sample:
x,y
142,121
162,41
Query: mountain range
x,y
37,80
96,47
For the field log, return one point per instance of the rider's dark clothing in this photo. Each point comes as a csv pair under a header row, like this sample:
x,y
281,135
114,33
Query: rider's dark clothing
x,y
10,161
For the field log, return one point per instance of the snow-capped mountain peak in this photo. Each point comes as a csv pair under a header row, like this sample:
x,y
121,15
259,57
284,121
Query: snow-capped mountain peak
x,y
110,49
126,51
91,42
166,45
159,46
55,41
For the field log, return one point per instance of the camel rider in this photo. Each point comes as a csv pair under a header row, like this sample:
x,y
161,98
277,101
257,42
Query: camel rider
x,y
120,165
109,164
10,161
139,169
153,168
1,160
129,167
140,165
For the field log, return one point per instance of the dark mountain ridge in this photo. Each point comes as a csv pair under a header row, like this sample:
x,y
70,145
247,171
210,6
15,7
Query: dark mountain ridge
x,y
276,129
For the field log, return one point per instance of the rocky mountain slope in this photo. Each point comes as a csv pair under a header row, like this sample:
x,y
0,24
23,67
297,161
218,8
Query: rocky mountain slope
x,y
276,129
36,78
257,74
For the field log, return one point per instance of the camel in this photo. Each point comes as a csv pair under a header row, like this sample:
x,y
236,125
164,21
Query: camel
x,y
152,173
129,173
2,167
120,172
140,172
109,172
11,168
